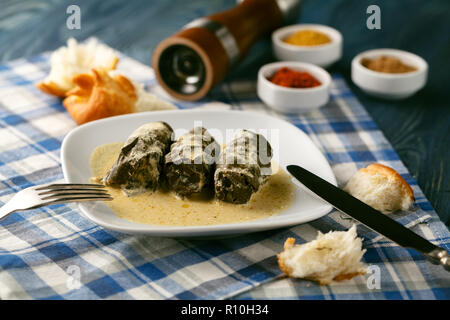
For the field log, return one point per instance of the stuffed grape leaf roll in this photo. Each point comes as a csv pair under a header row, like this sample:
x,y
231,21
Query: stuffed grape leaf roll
x,y
141,159
190,164
244,165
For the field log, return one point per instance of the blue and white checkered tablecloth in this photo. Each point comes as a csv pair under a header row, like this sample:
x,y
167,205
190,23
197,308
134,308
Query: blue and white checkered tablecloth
x,y
54,253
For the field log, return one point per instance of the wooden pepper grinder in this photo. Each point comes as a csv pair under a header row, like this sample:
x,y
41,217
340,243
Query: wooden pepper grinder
x,y
190,62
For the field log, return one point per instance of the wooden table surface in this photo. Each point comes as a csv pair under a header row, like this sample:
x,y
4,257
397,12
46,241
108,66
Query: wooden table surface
x,y
417,127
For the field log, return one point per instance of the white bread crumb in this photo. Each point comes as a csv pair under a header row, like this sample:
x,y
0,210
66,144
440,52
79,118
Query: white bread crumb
x,y
381,187
149,102
335,255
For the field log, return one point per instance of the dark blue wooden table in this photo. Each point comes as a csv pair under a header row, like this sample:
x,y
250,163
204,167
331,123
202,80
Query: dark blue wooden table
x,y
417,127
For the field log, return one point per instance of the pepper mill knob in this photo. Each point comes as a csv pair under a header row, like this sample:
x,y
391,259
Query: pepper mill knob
x,y
190,62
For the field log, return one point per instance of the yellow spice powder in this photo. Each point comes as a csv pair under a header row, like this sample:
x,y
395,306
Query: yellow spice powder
x,y
307,38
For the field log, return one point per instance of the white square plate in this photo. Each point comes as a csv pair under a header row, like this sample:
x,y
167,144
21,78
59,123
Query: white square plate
x,y
290,146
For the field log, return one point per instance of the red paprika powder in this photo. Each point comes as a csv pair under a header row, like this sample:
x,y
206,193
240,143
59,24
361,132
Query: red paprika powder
x,y
287,77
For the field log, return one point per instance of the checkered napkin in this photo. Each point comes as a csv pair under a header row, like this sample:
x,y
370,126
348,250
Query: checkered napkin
x,y
54,253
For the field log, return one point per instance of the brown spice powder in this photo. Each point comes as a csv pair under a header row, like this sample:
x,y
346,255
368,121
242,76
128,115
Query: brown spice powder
x,y
387,64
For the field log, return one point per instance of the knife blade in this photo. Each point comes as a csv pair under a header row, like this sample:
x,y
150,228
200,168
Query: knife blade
x,y
367,215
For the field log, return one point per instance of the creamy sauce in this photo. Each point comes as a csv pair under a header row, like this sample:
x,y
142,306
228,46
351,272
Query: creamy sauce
x,y
164,208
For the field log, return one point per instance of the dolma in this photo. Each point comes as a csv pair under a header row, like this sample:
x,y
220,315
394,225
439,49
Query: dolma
x,y
190,164
243,166
141,159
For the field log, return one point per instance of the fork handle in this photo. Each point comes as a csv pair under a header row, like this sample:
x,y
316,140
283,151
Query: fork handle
x,y
6,210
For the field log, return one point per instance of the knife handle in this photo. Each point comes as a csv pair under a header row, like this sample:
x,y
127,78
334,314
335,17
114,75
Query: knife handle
x,y
439,256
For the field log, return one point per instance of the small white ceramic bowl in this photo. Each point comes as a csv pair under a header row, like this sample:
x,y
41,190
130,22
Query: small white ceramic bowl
x,y
390,85
322,55
293,100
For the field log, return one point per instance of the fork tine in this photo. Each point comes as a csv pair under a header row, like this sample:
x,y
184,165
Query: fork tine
x,y
75,190
72,195
70,186
79,199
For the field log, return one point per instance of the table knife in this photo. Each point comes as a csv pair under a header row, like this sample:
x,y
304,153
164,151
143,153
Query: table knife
x,y
372,218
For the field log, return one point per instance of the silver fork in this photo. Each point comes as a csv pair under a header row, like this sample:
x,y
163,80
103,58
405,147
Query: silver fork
x,y
44,195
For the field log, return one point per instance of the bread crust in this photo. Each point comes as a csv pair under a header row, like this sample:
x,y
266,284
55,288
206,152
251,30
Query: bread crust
x,y
378,168
51,88
97,95
289,243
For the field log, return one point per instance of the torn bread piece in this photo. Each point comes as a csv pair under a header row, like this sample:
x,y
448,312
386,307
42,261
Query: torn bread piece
x,y
97,96
382,188
102,93
334,256
74,59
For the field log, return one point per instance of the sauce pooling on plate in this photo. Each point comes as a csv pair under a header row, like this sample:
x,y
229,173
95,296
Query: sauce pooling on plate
x,y
162,207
